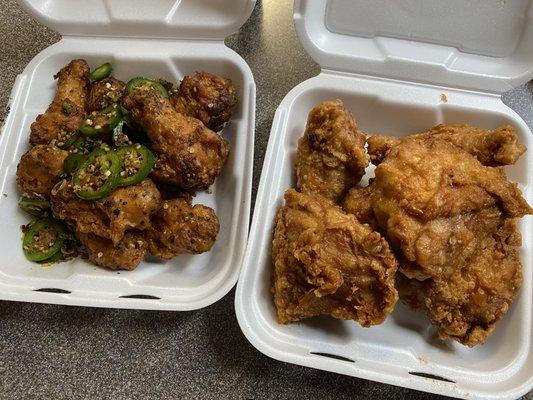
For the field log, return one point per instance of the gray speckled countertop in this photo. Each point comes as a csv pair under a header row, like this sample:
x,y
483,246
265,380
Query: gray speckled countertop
x,y
57,352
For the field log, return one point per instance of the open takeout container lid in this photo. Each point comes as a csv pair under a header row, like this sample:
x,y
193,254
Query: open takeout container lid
x,y
476,44
165,19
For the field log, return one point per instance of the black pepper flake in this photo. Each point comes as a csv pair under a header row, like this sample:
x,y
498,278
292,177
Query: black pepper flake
x,y
312,137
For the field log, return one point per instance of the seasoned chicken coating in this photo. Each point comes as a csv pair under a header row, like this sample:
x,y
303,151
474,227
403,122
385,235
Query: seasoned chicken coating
x,y
465,305
207,97
436,202
126,208
126,254
68,108
191,155
331,156
39,170
491,147
357,202
105,92
326,262
180,228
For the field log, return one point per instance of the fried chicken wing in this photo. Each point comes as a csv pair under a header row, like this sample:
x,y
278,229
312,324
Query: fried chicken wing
x,y
191,155
466,305
105,92
436,202
180,228
325,262
331,156
68,107
39,170
207,97
124,209
491,147
126,254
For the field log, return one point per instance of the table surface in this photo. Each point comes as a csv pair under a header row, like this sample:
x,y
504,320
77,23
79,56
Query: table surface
x,y
56,352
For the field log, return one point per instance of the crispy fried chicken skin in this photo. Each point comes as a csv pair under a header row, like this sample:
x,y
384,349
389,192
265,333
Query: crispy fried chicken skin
x,y
126,254
39,170
325,262
466,304
180,228
69,106
126,208
357,202
207,97
331,156
105,92
491,147
191,155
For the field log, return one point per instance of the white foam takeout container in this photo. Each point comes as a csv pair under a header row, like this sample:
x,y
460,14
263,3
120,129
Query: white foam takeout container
x,y
167,39
400,67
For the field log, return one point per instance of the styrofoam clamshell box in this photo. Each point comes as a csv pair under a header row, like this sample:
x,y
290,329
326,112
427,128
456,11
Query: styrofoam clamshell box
x,y
163,39
400,67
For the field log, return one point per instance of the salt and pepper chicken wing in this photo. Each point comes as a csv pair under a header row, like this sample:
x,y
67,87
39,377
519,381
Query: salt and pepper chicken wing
x,y
331,156
180,228
127,254
68,108
326,262
191,155
207,97
39,170
126,208
491,147
104,93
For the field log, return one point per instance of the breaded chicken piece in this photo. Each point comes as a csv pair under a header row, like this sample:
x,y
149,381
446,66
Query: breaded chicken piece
x,y
357,202
68,108
436,201
126,254
331,156
191,155
124,209
105,92
325,262
466,304
491,147
180,228
39,170
207,97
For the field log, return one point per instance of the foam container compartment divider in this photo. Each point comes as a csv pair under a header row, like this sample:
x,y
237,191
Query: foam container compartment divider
x,y
169,39
398,86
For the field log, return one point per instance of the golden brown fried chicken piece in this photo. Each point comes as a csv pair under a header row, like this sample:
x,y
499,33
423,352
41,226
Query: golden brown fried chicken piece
x,y
105,92
126,254
207,97
466,304
491,147
180,228
39,170
325,262
191,155
357,202
331,156
69,106
436,201
126,208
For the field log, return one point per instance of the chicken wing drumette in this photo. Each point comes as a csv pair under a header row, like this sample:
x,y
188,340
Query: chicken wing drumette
x,y
180,228
190,155
491,147
331,156
207,97
68,108
39,170
326,262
